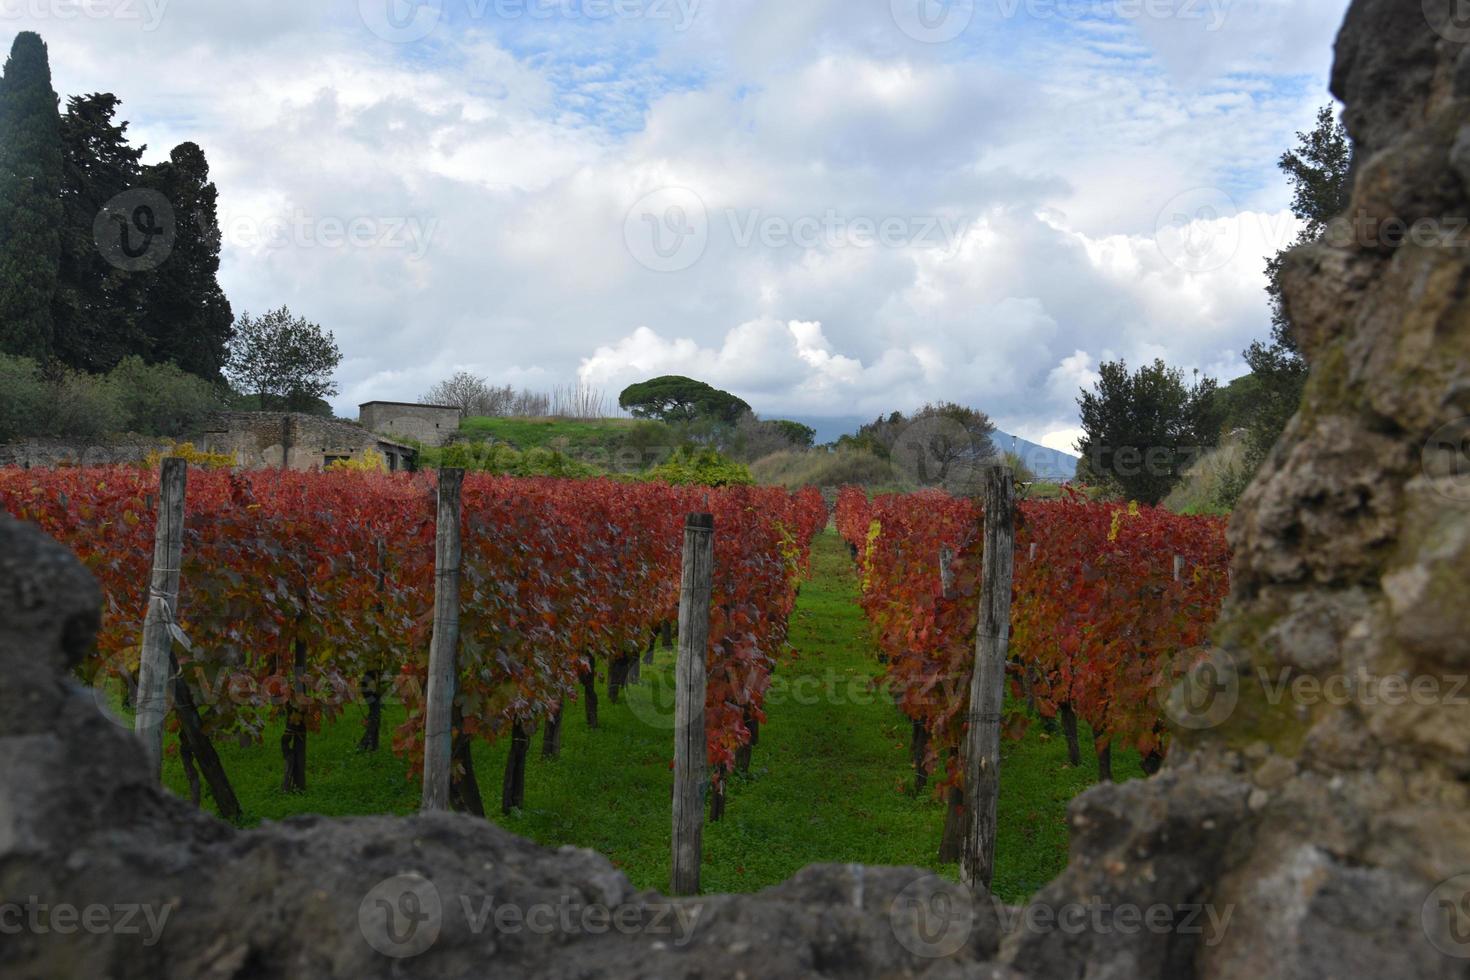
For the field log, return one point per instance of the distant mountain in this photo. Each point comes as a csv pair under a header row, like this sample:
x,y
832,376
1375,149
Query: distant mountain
x,y
1048,464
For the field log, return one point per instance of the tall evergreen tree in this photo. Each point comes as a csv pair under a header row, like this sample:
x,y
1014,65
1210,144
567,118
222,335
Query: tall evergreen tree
x,y
1319,172
30,202
189,318
99,305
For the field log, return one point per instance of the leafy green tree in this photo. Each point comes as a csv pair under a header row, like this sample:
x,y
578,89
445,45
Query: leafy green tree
x,y
802,436
99,310
951,433
188,316
163,399
1144,429
285,361
677,399
30,202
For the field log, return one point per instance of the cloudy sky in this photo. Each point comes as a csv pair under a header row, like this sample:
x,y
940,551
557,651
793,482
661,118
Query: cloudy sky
x,y
830,207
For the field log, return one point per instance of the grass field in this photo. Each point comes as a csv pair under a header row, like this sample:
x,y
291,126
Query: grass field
x,y
551,433
825,784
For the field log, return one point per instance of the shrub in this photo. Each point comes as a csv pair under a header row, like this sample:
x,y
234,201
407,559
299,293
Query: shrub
x,y
161,399
795,469
83,406
371,461
25,398
194,457
700,467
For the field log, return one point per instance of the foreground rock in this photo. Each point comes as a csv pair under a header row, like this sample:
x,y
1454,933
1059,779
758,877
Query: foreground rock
x,y
1313,819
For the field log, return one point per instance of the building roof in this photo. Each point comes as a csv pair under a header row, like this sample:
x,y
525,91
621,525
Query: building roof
x,y
447,408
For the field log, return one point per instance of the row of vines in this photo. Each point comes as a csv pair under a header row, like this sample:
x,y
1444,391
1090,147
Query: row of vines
x,y
305,593
1110,600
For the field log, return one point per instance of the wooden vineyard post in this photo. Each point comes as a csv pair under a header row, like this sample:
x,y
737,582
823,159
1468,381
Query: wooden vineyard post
x,y
691,780
919,735
987,685
1179,568
159,627
444,647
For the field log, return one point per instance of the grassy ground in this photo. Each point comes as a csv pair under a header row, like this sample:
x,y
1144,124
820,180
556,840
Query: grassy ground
x,y
824,785
533,433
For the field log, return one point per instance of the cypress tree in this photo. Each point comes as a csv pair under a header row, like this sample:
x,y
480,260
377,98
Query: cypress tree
x,y
188,316
99,306
30,201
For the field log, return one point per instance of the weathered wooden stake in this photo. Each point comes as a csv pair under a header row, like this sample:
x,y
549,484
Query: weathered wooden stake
x,y
987,685
444,647
691,779
163,605
1179,568
946,572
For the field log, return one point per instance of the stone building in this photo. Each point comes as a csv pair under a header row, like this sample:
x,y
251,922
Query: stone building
x,y
431,425
293,441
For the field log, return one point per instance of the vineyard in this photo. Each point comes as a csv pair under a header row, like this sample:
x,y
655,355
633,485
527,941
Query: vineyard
x,y
304,593
1109,602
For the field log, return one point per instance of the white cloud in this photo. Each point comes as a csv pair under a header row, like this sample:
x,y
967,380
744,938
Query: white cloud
x,y
1043,152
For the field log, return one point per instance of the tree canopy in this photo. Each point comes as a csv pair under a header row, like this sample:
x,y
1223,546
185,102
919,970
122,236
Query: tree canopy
x,y
1319,171
678,399
284,360
102,258
30,199
1145,428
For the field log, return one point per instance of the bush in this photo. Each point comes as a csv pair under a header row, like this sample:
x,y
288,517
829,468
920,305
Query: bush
x,y
84,407
161,399
795,469
25,399
700,467
371,461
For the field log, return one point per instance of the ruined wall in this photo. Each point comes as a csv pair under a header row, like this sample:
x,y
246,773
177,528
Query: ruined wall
x,y
46,453
1314,809
432,425
273,440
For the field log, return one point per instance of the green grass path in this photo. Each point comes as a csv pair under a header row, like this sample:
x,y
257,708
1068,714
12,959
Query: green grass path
x,y
826,782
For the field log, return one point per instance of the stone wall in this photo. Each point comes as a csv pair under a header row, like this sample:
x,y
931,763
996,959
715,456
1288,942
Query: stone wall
x,y
432,425
266,440
46,453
